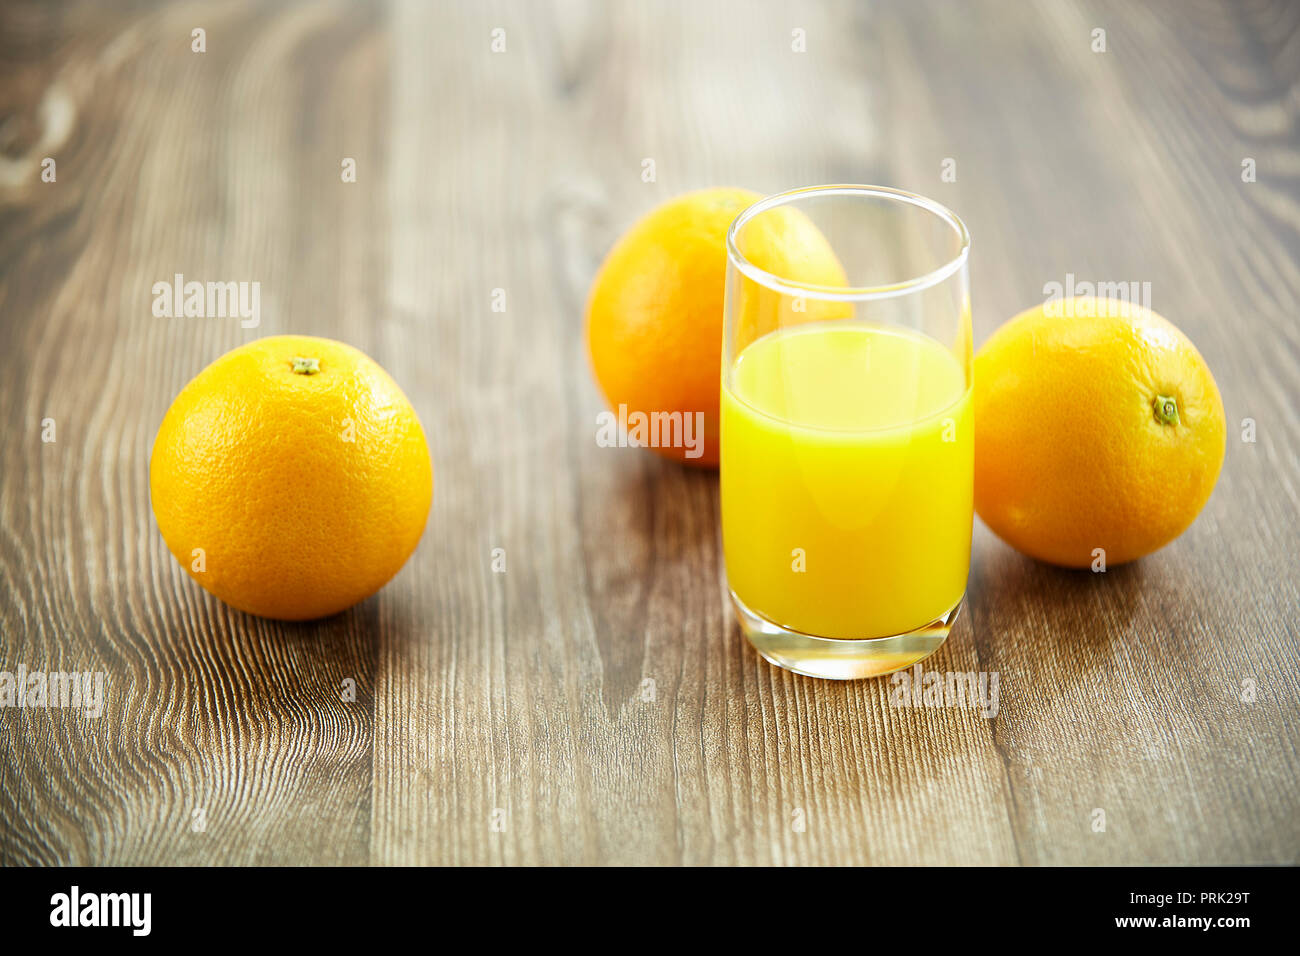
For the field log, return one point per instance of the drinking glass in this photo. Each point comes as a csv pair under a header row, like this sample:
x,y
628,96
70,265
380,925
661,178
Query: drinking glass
x,y
847,445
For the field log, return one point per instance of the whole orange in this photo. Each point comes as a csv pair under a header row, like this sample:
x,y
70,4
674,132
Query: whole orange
x,y
1097,426
291,477
654,313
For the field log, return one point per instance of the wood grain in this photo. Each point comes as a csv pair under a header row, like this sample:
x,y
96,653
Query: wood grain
x,y
596,703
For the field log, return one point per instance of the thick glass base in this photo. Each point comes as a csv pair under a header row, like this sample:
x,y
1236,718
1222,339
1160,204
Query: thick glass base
x,y
839,658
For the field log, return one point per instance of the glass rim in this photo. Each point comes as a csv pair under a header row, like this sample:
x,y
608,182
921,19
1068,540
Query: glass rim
x,y
796,288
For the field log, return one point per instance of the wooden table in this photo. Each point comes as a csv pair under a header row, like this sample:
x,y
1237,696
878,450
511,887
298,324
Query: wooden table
x,y
596,703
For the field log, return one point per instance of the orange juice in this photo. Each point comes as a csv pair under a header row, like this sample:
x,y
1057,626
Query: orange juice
x,y
847,476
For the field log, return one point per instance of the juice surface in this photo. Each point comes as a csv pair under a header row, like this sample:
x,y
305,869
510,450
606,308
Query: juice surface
x,y
847,479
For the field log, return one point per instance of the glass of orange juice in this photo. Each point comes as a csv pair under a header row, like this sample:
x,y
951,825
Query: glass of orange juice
x,y
847,443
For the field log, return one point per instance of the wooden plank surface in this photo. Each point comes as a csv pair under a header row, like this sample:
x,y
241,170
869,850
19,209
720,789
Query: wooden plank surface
x,y
596,703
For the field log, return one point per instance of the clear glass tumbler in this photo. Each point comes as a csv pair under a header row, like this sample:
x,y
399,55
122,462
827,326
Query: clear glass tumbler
x,y
847,445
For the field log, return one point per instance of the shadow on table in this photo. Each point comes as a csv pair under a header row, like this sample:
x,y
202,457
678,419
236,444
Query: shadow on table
x,y
1072,613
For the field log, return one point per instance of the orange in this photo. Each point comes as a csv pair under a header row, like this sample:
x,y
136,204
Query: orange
x,y
291,477
654,313
1095,429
